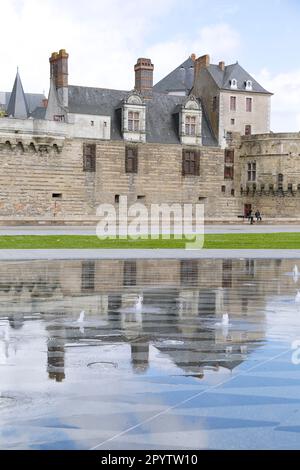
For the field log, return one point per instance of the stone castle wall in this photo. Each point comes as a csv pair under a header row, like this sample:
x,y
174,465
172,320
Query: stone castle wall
x,y
274,154
42,178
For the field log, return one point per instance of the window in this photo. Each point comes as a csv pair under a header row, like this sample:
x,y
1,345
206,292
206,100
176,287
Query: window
x,y
248,129
233,103
227,274
280,178
248,85
131,160
190,125
228,172
249,105
92,123
59,118
233,84
129,273
215,104
232,122
190,163
89,157
290,188
57,195
133,121
141,198
188,272
117,198
252,171
229,156
229,137
88,275
223,189
232,192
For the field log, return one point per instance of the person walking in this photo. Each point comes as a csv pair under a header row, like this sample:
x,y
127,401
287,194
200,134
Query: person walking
x,y
258,216
250,217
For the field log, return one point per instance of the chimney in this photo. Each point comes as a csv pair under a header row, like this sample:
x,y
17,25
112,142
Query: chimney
x,y
144,76
222,66
59,68
201,63
59,74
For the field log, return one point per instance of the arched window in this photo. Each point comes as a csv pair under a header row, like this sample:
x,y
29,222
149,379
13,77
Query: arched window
x,y
234,84
20,147
32,147
248,84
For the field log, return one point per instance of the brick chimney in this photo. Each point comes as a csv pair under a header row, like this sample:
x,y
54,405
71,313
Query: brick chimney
x,y
144,76
199,64
222,65
59,74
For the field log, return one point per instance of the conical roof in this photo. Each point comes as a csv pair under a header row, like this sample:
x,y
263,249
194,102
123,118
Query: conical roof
x,y
17,106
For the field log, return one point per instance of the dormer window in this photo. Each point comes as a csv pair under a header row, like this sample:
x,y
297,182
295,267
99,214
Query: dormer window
x,y
134,118
190,119
248,85
234,84
190,125
133,121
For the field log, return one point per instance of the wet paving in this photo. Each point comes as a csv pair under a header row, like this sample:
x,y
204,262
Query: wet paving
x,y
140,354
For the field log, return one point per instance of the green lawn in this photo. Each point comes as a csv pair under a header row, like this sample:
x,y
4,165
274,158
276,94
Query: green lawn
x,y
229,241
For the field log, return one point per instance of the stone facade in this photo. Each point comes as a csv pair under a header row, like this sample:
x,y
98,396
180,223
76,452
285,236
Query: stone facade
x,y
43,174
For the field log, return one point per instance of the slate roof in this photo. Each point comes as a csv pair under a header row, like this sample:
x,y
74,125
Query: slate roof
x,y
181,78
33,100
17,105
161,123
223,78
38,113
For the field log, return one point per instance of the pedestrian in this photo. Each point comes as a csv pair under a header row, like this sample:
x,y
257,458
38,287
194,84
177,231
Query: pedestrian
x,y
258,216
250,217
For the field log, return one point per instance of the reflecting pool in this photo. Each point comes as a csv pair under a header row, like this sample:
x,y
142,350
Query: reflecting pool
x,y
137,354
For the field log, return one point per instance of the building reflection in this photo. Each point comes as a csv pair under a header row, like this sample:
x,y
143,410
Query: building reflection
x,y
182,303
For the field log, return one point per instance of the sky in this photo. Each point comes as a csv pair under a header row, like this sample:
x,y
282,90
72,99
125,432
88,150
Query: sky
x,y
105,37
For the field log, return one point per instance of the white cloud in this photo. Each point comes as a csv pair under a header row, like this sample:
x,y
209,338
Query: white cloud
x,y
285,116
220,41
104,39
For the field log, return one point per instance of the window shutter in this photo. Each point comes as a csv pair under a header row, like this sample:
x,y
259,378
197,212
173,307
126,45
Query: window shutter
x,y
197,163
229,156
135,160
183,162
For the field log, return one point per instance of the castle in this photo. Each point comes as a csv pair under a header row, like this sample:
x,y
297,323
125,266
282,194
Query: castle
x,y
200,134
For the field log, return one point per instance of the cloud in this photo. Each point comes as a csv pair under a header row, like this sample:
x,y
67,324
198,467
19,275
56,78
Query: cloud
x,y
219,40
103,38
285,115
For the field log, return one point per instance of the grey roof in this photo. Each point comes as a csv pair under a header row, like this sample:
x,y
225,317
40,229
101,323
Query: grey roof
x,y
38,113
223,78
180,79
33,100
17,105
161,127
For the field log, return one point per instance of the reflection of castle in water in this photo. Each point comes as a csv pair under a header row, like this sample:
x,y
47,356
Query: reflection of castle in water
x,y
182,302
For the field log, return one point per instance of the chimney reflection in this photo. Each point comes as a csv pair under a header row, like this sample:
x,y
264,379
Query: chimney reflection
x,y
56,353
140,355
